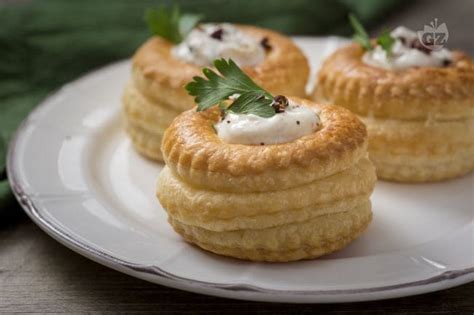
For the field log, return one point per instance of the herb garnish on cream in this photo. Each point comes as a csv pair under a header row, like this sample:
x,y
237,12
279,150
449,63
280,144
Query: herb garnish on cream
x,y
208,42
399,49
202,44
254,115
295,122
170,24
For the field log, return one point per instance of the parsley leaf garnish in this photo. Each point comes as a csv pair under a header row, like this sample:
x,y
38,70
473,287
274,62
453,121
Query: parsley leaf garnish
x,y
170,24
360,35
385,40
252,99
253,103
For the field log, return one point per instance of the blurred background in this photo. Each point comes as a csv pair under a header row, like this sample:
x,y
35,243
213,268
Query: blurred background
x,y
46,43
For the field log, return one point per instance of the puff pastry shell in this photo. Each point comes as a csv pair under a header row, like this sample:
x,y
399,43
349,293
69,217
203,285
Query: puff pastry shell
x,y
420,121
156,92
282,202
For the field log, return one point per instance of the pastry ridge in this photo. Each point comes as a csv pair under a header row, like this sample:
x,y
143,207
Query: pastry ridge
x,y
416,93
311,239
419,120
146,143
138,109
190,144
231,210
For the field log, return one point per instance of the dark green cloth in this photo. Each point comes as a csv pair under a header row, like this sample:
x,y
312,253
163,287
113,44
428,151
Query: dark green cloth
x,y
46,43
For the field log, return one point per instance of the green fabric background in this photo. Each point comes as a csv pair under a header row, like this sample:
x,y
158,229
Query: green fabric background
x,y
46,43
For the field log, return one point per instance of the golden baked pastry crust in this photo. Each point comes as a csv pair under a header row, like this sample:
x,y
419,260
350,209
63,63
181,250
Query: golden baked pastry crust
x,y
140,110
256,210
420,120
162,77
307,240
193,150
444,93
281,202
146,143
420,151
156,92
145,122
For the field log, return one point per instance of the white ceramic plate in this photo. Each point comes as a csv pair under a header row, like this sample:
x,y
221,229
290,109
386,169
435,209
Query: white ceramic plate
x,y
76,175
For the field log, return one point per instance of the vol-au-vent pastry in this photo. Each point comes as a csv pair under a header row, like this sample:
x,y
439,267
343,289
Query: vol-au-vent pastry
x,y
264,177
417,103
164,64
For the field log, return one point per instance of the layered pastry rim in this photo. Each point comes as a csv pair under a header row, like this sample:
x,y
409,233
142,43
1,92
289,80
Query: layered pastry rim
x,y
191,142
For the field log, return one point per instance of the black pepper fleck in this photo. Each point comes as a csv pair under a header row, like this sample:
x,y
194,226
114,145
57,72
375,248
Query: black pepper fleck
x,y
297,122
418,45
446,62
265,42
279,103
217,34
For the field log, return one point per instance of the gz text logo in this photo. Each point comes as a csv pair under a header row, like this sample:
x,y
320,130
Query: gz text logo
x,y
434,36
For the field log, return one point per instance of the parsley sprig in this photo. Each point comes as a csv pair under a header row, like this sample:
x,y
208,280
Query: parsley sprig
x,y
215,89
385,40
170,24
360,35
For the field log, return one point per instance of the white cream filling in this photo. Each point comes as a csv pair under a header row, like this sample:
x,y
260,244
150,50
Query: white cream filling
x,y
200,49
403,56
295,122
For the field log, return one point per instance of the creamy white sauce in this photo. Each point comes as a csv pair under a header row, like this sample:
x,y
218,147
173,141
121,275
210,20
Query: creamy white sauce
x,y
403,56
295,122
200,49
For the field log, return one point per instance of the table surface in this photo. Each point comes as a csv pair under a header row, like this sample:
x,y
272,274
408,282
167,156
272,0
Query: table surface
x,y
37,274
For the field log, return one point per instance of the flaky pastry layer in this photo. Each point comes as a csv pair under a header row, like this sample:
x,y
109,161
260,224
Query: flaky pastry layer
x,y
431,138
145,122
144,112
444,93
301,240
421,151
146,142
419,120
162,77
193,150
220,211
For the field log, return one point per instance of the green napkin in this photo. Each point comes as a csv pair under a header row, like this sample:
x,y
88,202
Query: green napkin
x,y
4,187
46,43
